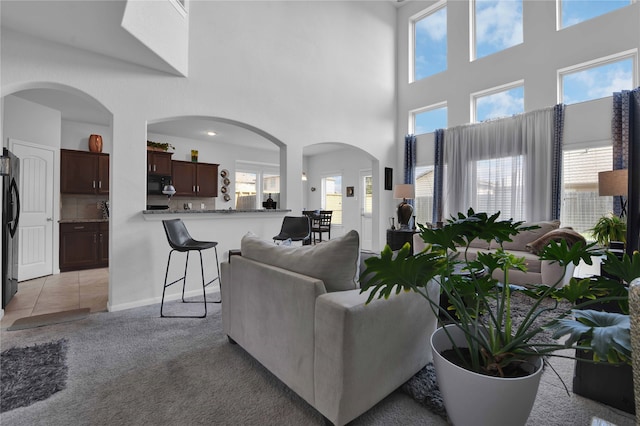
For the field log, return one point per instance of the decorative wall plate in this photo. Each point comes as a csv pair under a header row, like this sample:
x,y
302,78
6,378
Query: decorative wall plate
x,y
224,173
226,182
227,197
223,189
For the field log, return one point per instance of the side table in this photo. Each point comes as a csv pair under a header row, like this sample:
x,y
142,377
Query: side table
x,y
397,237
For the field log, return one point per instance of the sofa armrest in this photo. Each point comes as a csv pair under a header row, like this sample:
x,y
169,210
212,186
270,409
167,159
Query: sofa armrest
x,y
270,312
365,352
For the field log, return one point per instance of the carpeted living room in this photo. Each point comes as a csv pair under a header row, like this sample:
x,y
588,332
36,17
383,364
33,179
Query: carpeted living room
x,y
358,98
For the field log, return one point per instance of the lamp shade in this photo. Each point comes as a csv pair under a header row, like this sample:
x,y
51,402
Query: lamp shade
x,y
613,182
404,191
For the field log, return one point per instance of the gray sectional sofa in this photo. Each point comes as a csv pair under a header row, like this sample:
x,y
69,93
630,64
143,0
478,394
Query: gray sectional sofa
x,y
300,313
528,244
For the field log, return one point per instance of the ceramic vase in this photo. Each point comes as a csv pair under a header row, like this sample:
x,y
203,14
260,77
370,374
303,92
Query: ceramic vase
x,y
95,143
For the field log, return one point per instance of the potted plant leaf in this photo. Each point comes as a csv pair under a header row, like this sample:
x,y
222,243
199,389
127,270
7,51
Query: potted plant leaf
x,y
482,352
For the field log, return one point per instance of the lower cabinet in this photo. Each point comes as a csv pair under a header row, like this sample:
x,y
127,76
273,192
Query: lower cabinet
x,y
84,245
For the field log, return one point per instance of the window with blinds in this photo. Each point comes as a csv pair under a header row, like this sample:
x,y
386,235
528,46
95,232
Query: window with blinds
x,y
581,205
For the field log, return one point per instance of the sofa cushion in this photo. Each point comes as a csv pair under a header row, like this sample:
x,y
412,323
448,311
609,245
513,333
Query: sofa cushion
x,y
335,261
567,234
521,240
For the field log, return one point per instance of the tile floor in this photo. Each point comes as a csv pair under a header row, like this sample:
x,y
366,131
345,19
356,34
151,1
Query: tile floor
x,y
56,293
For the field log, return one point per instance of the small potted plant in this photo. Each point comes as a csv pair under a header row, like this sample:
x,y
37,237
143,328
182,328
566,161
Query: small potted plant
x,y
609,228
488,366
159,146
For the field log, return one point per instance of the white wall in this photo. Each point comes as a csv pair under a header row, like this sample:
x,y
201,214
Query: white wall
x,y
31,122
75,135
304,72
162,27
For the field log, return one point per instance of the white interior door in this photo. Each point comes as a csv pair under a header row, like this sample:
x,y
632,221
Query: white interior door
x,y
35,229
366,210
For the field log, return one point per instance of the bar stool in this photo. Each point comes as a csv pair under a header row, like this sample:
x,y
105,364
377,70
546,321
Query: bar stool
x,y
180,240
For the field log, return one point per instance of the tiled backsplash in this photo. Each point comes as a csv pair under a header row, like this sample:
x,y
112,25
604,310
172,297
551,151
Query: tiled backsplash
x,y
74,206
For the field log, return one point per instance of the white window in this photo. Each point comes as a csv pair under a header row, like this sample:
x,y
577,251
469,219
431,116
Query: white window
x,y
332,197
429,41
571,12
496,25
581,205
255,183
426,120
597,79
423,203
503,101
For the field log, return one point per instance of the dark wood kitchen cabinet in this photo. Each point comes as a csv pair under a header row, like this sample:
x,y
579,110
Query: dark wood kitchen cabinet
x,y
159,163
84,245
83,172
195,179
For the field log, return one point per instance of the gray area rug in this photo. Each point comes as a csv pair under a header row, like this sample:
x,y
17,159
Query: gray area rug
x,y
49,319
31,374
132,367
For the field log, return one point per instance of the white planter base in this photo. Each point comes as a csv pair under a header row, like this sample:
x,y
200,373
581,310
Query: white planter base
x,y
473,399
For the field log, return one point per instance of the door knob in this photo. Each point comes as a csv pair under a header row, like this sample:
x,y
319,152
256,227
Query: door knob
x,y
49,219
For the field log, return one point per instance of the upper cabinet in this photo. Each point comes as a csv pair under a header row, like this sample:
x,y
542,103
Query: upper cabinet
x,y
195,179
83,172
159,162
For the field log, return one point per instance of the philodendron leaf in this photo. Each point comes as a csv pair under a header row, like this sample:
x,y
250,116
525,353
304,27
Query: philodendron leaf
x,y
607,333
402,272
561,253
626,269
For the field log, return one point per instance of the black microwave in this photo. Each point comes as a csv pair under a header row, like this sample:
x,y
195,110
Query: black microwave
x,y
155,183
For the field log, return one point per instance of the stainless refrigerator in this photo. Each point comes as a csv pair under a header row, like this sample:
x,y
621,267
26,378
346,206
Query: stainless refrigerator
x,y
10,218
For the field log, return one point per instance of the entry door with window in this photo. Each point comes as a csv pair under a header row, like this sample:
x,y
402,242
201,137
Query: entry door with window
x,y
35,256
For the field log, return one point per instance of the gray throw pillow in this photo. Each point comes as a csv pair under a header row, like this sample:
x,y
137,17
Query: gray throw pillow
x,y
334,261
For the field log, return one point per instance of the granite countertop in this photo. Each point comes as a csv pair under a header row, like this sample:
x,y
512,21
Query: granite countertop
x,y
223,211
82,220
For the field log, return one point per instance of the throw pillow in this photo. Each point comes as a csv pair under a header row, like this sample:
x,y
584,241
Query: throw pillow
x,y
523,238
335,261
567,234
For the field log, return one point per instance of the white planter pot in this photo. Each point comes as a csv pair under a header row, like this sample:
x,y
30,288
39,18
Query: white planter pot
x,y
474,399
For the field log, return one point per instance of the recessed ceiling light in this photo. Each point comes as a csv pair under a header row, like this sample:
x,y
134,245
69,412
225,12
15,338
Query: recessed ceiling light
x,y
211,133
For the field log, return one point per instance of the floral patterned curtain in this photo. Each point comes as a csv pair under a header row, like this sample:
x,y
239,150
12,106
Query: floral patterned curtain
x,y
625,134
556,176
438,176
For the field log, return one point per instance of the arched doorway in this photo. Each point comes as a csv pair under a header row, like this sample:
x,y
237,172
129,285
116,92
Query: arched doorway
x,y
40,120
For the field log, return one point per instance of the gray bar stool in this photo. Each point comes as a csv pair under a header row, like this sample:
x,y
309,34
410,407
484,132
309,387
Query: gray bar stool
x,y
180,240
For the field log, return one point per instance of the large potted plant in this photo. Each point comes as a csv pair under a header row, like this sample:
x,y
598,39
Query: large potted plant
x,y
481,350
602,380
